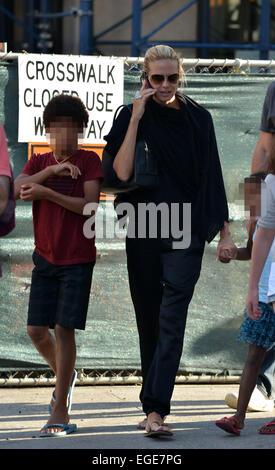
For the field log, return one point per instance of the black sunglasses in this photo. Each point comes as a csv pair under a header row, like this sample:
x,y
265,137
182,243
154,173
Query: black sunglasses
x,y
160,78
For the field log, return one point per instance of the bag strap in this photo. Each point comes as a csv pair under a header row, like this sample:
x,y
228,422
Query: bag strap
x,y
128,106
121,106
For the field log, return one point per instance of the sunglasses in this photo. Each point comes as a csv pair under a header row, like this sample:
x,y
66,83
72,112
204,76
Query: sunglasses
x,y
160,78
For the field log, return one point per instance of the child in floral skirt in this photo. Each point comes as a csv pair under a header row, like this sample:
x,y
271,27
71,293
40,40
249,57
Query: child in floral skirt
x,y
257,332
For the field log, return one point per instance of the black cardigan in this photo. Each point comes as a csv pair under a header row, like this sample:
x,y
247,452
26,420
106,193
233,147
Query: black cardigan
x,y
184,144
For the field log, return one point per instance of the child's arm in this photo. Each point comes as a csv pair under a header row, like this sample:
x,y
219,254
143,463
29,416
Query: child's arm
x,y
23,178
64,169
31,192
244,254
262,243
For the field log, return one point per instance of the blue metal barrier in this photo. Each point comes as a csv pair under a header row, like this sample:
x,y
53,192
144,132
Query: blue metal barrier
x,y
89,42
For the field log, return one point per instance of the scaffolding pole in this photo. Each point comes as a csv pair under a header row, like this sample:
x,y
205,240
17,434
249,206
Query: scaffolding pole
x,y
86,42
264,44
136,27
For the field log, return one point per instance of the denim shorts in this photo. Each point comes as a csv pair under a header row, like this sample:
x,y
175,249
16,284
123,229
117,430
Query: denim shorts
x,y
59,294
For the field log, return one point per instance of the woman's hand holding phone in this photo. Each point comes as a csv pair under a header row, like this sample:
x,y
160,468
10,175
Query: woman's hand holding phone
x,y
139,103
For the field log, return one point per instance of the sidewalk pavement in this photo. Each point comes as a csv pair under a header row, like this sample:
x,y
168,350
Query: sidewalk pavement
x,y
106,417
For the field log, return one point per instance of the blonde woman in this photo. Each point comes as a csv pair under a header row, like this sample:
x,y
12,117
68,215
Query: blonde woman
x,y
181,137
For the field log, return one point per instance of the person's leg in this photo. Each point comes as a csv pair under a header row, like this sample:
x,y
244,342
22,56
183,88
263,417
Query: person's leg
x,y
42,307
251,368
65,361
74,284
269,428
248,381
265,381
181,270
45,343
261,398
144,272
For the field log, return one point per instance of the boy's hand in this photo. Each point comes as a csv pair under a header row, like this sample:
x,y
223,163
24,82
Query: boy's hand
x,y
32,192
66,169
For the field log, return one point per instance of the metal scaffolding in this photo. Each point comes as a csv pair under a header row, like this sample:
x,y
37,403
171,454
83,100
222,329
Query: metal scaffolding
x,y
89,42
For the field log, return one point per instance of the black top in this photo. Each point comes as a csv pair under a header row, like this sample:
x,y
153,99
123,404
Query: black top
x,y
183,142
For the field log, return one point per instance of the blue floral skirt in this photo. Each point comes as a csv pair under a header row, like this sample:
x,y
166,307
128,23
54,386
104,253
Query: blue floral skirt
x,y
260,332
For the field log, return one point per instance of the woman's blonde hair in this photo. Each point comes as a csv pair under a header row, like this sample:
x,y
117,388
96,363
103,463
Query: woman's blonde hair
x,y
161,52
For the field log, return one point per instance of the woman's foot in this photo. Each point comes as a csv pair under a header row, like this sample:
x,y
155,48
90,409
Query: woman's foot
x,y
155,426
142,424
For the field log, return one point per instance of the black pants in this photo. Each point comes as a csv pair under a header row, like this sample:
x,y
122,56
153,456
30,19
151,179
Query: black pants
x,y
162,282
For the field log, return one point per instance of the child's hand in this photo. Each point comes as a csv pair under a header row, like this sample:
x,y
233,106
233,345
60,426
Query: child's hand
x,y
66,169
252,304
32,192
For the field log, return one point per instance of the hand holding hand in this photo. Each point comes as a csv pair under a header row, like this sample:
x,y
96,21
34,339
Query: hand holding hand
x,y
32,192
226,250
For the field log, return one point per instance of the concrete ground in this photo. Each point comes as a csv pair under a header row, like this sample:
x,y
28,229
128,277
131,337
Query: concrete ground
x,y
106,417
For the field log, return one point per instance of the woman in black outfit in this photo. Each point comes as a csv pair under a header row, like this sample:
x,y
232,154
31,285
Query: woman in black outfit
x,y
181,137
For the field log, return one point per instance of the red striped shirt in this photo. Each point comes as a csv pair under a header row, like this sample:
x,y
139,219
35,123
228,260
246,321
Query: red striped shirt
x,y
58,232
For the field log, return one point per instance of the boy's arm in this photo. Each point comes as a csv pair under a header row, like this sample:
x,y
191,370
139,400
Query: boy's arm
x,y
37,178
64,169
76,204
32,191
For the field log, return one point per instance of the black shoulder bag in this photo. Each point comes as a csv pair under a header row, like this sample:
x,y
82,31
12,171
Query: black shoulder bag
x,y
145,173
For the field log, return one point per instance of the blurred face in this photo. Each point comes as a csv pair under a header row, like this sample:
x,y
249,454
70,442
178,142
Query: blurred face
x,y
164,76
252,198
62,136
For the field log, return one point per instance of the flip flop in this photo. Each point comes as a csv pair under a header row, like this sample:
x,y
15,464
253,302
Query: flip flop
x,y
264,429
70,393
231,427
67,429
158,433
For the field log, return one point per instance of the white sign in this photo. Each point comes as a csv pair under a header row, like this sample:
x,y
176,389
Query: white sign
x,y
98,81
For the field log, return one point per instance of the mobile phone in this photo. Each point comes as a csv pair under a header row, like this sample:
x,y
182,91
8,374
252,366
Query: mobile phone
x,y
144,77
